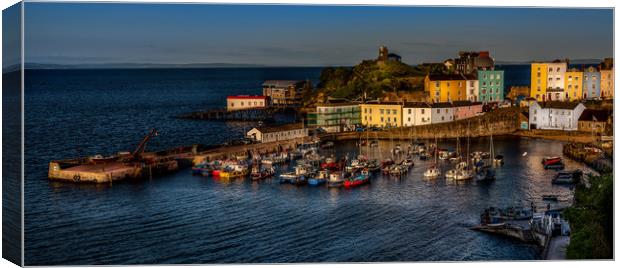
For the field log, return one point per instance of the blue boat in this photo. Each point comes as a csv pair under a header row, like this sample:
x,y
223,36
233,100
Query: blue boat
x,y
320,179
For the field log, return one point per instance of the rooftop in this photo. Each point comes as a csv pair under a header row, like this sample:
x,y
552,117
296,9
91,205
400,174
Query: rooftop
x,y
595,115
559,105
382,103
279,128
465,103
280,83
246,97
417,105
441,105
445,77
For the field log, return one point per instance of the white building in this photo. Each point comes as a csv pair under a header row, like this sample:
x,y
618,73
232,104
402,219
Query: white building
x,y
472,86
245,102
555,75
442,112
416,114
555,115
278,133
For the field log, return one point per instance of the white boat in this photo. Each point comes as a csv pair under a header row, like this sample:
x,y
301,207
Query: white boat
x,y
451,174
432,172
464,174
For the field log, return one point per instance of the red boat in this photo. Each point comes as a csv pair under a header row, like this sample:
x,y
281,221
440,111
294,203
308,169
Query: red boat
x,y
358,180
551,160
215,173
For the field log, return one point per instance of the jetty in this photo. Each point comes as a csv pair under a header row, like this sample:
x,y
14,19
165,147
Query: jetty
x,y
253,114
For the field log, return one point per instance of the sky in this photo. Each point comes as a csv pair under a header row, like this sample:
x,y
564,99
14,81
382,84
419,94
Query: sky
x,y
11,37
280,35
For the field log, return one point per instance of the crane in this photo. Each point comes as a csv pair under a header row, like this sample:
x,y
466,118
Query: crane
x,y
137,154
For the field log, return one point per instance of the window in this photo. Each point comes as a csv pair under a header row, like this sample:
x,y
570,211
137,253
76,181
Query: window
x,y
381,111
422,111
550,69
409,111
241,103
448,84
576,78
558,69
388,119
394,111
232,104
442,118
438,111
382,119
387,111
394,119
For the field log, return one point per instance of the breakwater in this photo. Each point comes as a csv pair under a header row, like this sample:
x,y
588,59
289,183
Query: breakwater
x,y
590,155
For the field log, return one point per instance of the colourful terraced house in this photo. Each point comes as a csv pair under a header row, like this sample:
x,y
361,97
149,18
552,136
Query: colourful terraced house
x,y
445,87
591,83
490,86
573,83
381,114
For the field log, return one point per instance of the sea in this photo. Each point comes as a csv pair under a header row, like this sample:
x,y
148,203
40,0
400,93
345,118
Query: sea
x,y
185,219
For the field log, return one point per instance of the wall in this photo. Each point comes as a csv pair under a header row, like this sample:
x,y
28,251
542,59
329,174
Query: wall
x,y
607,84
441,115
591,83
416,116
244,103
491,86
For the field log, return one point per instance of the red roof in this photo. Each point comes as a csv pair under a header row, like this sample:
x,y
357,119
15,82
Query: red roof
x,y
246,97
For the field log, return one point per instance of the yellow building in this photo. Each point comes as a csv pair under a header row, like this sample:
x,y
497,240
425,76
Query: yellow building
x,y
445,87
538,85
573,82
607,84
381,114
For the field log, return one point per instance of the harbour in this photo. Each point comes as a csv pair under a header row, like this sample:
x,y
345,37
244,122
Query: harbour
x,y
245,220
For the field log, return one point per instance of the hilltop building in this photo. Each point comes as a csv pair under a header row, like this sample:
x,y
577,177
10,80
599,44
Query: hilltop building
x,y
384,55
284,93
470,62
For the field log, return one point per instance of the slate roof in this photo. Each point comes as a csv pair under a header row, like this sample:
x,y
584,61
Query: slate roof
x,y
279,128
446,77
559,105
416,105
599,115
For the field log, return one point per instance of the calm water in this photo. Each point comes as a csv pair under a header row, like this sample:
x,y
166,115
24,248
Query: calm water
x,y
185,219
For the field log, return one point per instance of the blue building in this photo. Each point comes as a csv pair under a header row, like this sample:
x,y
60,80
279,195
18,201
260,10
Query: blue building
x,y
591,83
490,86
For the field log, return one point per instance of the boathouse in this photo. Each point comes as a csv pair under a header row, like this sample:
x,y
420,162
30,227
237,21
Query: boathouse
x,y
278,133
242,102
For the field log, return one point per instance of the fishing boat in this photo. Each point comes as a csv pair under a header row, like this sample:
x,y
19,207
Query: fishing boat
x,y
397,170
373,166
289,177
450,174
408,163
259,173
203,169
360,179
330,163
336,179
235,172
319,179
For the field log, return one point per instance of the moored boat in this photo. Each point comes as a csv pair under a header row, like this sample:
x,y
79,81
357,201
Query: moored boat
x,y
360,179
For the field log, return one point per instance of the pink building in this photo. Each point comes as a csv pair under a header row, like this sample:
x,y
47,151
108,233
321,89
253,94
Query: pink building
x,y
466,109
